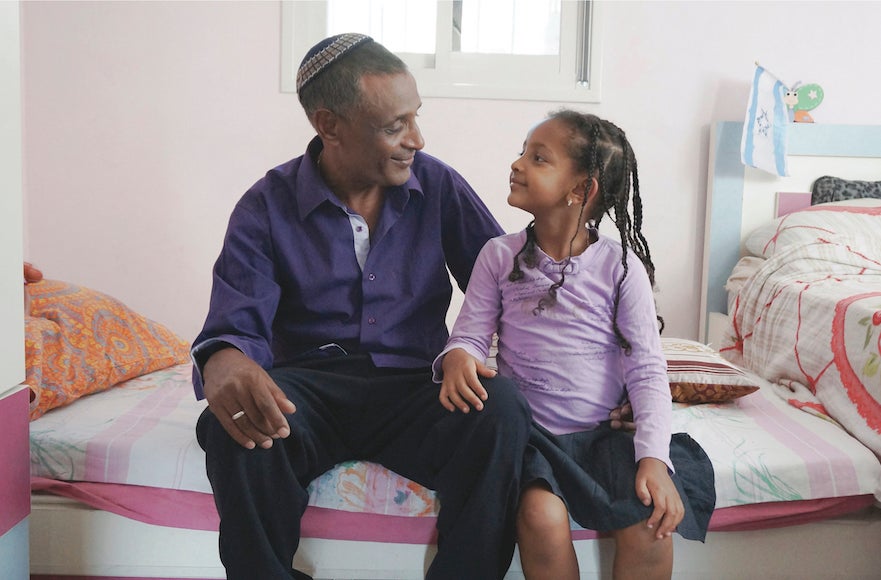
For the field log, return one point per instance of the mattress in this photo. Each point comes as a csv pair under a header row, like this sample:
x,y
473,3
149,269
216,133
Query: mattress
x,y
132,451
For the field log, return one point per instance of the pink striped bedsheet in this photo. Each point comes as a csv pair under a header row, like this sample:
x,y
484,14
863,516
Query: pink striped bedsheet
x,y
124,449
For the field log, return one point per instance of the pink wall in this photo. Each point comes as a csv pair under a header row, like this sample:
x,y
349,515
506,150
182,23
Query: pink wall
x,y
144,122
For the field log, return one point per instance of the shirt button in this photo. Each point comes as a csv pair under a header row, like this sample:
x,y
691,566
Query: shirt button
x,y
371,320
359,229
371,276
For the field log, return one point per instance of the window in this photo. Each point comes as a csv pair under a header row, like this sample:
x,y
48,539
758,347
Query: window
x,y
547,50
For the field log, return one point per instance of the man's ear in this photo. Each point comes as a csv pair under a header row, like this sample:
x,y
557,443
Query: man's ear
x,y
325,123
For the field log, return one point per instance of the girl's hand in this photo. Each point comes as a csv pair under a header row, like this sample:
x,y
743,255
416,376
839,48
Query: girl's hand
x,y
461,388
653,485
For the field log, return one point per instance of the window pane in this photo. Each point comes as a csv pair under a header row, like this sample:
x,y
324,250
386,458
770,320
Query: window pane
x,y
527,27
407,26
557,43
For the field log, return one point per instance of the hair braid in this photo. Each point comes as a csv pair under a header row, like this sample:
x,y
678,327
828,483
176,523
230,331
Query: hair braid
x,y
528,253
600,148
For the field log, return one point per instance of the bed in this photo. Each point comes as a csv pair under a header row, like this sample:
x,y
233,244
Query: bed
x,y
119,488
804,296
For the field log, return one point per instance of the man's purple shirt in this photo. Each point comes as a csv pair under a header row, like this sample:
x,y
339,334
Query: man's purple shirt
x,y
287,280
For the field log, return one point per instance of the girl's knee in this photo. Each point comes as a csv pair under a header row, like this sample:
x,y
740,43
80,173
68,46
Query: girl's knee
x,y
639,545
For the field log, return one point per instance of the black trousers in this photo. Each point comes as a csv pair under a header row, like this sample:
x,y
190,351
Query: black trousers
x,y
349,409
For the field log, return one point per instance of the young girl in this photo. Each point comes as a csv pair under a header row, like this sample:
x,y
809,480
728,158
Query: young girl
x,y
577,330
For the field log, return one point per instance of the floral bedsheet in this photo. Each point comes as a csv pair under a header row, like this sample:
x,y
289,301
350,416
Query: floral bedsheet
x,y
809,321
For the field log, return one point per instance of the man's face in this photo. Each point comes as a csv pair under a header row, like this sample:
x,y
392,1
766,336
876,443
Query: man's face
x,y
380,137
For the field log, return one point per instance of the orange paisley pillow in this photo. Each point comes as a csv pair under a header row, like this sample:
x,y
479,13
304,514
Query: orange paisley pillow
x,y
79,341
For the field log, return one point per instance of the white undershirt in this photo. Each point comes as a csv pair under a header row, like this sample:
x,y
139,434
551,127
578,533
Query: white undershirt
x,y
361,237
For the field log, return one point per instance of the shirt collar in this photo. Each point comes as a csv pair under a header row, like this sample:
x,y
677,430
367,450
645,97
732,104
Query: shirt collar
x,y
312,191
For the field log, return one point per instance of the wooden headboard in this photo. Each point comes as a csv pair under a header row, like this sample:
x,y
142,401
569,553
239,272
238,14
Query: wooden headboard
x,y
740,198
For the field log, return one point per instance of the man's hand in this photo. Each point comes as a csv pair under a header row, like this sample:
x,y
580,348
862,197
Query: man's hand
x,y
622,417
245,399
461,388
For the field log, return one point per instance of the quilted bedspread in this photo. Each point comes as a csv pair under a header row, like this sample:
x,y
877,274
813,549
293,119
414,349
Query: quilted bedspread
x,y
809,320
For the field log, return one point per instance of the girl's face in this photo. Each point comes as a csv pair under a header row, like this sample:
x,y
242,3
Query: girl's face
x,y
544,177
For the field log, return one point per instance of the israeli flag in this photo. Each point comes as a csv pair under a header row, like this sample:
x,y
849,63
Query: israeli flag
x,y
764,130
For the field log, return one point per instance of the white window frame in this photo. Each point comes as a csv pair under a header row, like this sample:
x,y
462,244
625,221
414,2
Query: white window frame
x,y
468,75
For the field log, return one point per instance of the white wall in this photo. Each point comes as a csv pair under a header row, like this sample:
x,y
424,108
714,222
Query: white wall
x,y
145,122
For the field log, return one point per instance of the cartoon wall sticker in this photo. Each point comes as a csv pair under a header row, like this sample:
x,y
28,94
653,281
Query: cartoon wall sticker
x,y
803,98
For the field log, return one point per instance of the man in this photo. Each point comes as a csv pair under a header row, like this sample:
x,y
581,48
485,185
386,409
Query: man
x,y
327,309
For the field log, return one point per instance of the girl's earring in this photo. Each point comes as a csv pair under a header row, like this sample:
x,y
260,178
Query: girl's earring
x,y
569,202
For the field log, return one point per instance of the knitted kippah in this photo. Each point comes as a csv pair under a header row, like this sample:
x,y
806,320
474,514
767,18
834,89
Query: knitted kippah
x,y
323,54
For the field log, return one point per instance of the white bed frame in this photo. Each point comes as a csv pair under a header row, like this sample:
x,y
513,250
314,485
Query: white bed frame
x,y
106,544
740,198
71,539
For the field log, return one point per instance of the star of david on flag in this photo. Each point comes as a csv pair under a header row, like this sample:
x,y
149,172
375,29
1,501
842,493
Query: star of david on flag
x,y
764,130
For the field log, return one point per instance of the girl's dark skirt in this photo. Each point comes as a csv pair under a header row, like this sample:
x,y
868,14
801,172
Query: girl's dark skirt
x,y
594,473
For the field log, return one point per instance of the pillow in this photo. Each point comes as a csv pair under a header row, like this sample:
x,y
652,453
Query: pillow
x,y
828,188
742,271
79,341
860,217
699,374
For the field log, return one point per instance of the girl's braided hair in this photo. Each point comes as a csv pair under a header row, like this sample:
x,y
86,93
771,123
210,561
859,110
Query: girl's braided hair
x,y
600,148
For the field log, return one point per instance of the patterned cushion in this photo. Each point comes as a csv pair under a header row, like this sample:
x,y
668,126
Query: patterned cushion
x,y
828,188
699,374
80,341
